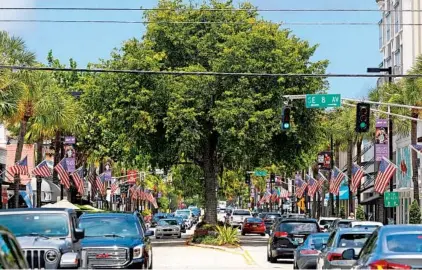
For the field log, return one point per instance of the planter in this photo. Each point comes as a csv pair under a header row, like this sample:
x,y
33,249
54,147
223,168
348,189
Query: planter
x,y
201,232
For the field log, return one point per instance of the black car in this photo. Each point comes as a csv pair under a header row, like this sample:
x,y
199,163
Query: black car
x,y
288,235
115,240
390,247
181,222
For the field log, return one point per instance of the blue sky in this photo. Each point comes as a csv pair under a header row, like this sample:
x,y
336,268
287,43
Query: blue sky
x,y
350,49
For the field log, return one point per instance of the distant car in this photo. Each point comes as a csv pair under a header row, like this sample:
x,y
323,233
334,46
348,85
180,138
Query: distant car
x,y
340,223
238,216
296,215
325,222
168,227
253,226
339,241
156,218
181,223
288,235
367,224
306,255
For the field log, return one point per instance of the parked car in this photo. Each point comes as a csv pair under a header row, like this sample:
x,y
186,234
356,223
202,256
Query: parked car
x,y
288,235
253,226
115,240
168,227
49,237
181,223
11,256
339,241
340,223
389,247
306,255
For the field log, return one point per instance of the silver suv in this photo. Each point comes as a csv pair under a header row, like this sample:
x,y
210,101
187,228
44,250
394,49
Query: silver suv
x,y
49,237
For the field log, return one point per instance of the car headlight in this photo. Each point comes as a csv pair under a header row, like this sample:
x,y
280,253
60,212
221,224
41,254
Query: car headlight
x,y
177,229
51,256
138,251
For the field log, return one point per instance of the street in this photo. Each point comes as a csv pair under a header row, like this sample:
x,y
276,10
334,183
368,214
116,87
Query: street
x,y
173,253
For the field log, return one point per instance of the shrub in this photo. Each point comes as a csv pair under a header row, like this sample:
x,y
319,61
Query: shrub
x,y
146,212
342,213
360,213
227,235
415,213
209,240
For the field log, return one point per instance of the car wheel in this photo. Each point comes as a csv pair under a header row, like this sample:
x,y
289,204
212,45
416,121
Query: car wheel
x,y
179,236
262,234
243,233
273,260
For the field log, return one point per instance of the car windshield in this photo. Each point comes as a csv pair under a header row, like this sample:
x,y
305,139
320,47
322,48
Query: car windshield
x,y
241,213
350,240
298,227
404,242
46,224
109,226
254,220
166,222
324,222
296,216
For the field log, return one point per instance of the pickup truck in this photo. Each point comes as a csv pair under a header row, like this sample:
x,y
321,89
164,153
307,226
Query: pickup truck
x,y
238,216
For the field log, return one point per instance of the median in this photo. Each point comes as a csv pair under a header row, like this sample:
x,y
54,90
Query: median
x,y
220,235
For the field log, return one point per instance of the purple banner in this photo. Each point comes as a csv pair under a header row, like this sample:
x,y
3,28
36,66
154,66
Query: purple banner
x,y
70,163
69,140
381,139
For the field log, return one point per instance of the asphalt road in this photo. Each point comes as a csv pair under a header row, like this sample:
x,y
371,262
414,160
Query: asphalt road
x,y
173,253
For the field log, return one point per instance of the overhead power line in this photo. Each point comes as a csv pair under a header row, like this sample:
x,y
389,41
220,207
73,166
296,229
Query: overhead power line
x,y
205,9
204,22
210,73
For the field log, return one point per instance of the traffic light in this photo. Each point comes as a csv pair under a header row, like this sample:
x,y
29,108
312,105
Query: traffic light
x,y
363,111
285,118
248,178
272,177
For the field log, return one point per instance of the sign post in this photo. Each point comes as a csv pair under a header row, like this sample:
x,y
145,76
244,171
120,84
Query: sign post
x,y
323,101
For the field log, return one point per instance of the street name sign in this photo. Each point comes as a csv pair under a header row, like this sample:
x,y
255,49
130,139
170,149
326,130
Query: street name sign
x,y
323,101
391,199
260,173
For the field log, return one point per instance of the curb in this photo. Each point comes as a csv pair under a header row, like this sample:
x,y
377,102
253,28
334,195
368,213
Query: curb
x,y
214,247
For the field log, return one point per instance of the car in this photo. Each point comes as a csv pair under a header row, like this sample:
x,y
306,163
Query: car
x,y
325,222
11,256
340,223
168,227
115,240
294,215
367,224
253,226
306,255
156,218
49,237
338,241
288,235
389,247
238,216
181,223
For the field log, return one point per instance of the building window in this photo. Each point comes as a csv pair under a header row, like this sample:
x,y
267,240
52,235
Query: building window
x,y
388,26
397,19
388,62
381,34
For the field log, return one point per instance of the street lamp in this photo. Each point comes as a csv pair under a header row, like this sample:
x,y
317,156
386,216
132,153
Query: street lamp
x,y
388,70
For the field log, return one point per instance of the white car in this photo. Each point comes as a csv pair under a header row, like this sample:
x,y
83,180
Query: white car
x,y
238,216
365,224
325,222
168,227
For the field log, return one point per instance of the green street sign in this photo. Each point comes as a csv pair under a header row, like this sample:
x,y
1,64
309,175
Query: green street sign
x,y
391,199
323,101
260,173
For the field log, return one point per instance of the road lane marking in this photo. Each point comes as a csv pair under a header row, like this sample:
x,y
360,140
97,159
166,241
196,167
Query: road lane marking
x,y
249,257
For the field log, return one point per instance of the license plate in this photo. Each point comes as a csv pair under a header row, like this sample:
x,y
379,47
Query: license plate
x,y
254,226
299,240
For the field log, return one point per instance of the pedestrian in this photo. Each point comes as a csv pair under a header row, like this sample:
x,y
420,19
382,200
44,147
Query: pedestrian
x,y
351,216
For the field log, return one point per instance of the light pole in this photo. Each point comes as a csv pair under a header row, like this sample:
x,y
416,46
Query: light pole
x,y
388,70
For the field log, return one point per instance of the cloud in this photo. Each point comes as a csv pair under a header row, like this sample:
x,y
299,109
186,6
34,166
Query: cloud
x,y
16,28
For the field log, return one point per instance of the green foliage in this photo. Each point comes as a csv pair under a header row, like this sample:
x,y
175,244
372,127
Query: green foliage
x,y
146,212
227,235
163,203
360,213
415,213
342,211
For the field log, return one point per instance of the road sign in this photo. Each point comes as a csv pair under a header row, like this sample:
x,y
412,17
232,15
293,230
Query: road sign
x,y
301,204
391,199
260,173
323,101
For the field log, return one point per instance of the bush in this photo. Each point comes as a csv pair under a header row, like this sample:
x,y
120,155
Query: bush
x,y
227,235
342,213
360,213
415,213
146,212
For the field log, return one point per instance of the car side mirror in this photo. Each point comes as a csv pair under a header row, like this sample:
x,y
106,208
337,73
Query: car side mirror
x,y
149,233
79,233
348,254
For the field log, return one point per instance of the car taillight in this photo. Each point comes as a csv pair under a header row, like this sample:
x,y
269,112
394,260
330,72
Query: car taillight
x,y
280,234
334,256
262,224
308,251
383,264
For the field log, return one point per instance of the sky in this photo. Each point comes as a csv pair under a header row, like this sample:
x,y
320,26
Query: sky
x,y
350,49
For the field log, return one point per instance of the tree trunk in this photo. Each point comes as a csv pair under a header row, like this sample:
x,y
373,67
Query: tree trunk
x,y
210,174
413,140
349,174
358,160
39,179
18,156
337,163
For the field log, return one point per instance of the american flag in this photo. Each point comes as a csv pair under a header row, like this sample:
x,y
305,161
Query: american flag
x,y
99,182
300,186
78,179
20,168
321,180
133,192
357,174
114,187
284,193
61,169
91,180
386,171
312,185
42,170
336,179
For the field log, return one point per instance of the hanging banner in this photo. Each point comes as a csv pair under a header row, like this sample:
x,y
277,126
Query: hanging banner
x,y
324,160
69,140
381,139
131,176
404,172
107,172
70,155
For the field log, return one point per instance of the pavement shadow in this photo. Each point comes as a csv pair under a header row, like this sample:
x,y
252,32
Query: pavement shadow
x,y
169,241
253,241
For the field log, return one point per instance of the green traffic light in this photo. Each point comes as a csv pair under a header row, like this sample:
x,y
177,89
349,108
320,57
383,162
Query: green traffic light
x,y
286,125
363,125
